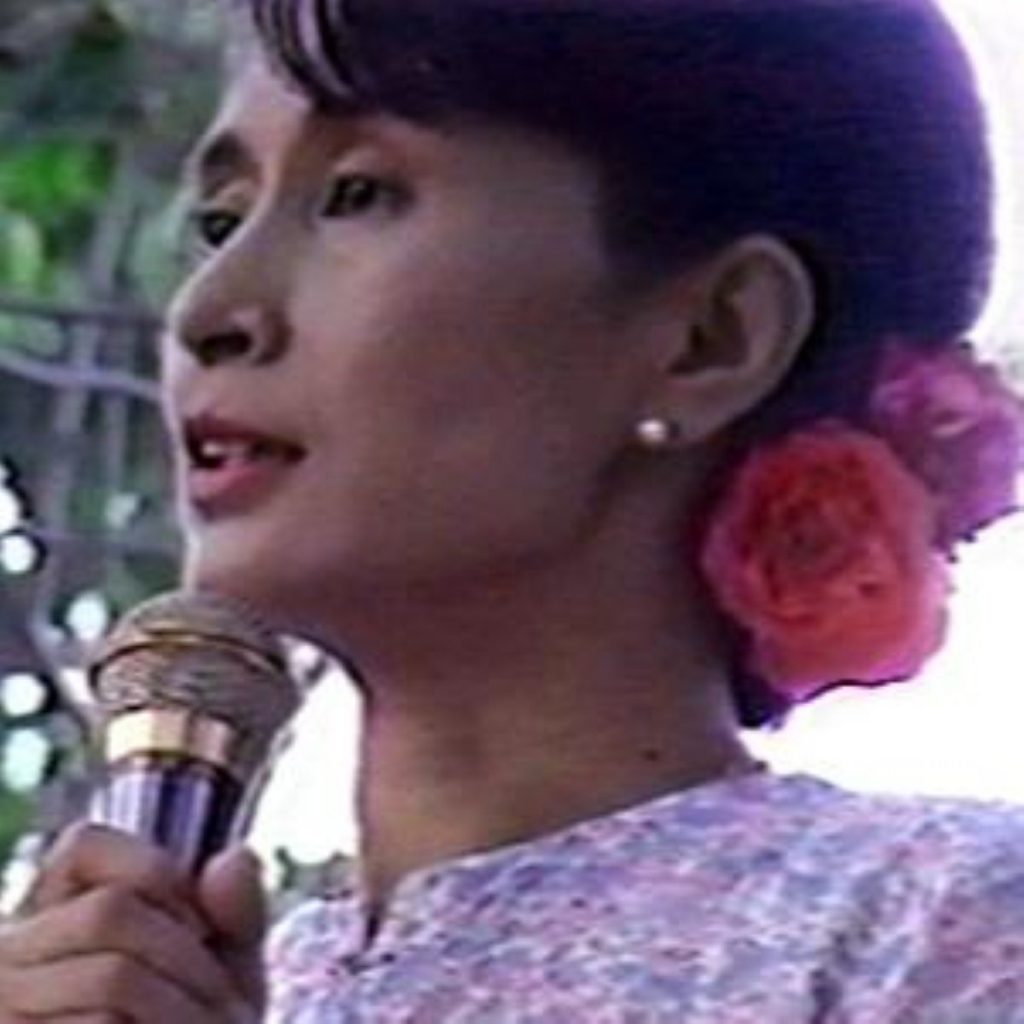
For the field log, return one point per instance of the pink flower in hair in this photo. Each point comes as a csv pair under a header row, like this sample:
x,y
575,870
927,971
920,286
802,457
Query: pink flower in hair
x,y
956,423
821,549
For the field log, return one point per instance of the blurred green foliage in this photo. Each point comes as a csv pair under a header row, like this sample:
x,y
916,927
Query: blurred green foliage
x,y
15,815
49,191
90,90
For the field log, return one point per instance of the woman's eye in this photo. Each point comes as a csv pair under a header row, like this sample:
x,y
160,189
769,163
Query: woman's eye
x,y
214,227
353,194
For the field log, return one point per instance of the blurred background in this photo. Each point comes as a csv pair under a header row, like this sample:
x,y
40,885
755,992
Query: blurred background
x,y
99,101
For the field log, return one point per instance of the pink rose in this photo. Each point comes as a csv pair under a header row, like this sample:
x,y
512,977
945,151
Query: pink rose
x,y
959,427
822,550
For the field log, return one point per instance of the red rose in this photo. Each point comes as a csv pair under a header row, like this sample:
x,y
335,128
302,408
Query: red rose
x,y
822,550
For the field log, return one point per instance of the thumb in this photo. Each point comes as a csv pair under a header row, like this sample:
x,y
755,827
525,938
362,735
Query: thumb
x,y
230,891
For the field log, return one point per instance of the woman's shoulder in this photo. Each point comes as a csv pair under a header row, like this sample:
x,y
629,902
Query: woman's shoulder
x,y
806,816
807,826
928,909
813,858
881,901
932,856
933,834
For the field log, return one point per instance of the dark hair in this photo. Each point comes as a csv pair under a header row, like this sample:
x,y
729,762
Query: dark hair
x,y
851,129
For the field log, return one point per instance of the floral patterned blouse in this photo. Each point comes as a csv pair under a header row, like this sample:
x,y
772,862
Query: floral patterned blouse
x,y
761,900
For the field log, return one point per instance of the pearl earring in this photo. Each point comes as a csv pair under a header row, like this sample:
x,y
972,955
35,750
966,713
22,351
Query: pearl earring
x,y
656,434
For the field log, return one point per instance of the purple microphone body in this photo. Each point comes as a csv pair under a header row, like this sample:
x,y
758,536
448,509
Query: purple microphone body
x,y
192,691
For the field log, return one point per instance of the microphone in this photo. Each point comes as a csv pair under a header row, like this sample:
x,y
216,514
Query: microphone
x,y
192,690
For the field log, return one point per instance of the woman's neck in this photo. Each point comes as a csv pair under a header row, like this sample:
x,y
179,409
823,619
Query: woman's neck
x,y
534,718
501,711
428,795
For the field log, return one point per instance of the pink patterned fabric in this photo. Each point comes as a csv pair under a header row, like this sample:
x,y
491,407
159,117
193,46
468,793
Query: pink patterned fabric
x,y
762,900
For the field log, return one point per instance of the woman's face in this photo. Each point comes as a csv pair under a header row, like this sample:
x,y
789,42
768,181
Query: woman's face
x,y
426,316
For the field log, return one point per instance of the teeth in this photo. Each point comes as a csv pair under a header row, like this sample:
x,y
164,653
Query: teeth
x,y
226,451
213,454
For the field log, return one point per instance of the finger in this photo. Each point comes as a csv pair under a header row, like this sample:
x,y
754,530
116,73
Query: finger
x,y
231,894
115,920
89,856
100,983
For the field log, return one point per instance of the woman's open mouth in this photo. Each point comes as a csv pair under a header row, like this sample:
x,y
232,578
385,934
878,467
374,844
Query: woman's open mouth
x,y
231,468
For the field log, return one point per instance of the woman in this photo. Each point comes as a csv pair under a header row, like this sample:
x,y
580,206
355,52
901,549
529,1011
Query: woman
x,y
590,376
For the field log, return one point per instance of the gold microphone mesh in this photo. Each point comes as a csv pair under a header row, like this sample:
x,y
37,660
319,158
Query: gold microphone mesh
x,y
198,652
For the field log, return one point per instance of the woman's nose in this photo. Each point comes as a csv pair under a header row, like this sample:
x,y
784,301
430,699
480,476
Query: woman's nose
x,y
250,336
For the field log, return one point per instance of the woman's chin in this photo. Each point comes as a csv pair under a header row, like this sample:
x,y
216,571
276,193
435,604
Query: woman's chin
x,y
291,593
274,590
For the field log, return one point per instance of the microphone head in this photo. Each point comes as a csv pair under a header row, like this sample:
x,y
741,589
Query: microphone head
x,y
198,652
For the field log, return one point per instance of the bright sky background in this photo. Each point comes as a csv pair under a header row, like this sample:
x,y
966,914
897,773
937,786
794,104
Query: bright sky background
x,y
958,730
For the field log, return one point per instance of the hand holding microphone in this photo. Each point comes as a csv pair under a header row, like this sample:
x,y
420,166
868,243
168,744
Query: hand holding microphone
x,y
140,916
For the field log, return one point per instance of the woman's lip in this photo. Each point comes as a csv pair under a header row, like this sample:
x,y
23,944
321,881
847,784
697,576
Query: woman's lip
x,y
235,488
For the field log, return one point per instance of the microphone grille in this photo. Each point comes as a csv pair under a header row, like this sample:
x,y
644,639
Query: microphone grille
x,y
198,651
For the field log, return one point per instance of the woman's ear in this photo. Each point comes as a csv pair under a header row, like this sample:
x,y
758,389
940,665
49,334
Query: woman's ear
x,y
735,332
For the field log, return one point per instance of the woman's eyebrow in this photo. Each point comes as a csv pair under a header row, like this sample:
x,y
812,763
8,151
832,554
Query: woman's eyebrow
x,y
217,159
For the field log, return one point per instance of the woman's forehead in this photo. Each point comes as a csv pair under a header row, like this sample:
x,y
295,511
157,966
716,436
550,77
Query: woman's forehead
x,y
256,113
257,97
263,115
